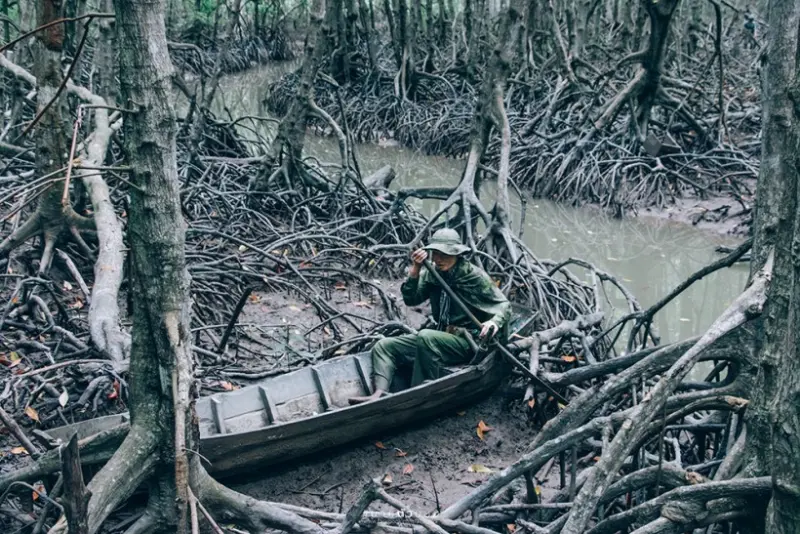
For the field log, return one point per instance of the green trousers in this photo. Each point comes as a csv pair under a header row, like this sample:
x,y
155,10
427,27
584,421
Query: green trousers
x,y
427,352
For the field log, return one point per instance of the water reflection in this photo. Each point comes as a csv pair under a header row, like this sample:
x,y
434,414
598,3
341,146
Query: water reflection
x,y
650,256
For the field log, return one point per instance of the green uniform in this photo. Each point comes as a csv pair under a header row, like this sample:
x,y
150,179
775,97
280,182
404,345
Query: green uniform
x,y
431,349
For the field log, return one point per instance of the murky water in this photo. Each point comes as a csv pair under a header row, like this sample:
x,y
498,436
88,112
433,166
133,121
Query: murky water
x,y
650,256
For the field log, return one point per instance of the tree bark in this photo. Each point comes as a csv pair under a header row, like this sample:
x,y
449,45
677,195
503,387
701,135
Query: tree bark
x,y
773,418
160,363
161,343
76,497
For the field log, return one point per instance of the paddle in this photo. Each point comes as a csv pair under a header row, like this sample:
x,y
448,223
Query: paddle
x,y
504,351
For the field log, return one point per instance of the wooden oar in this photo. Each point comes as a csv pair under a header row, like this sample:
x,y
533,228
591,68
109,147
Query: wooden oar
x,y
504,351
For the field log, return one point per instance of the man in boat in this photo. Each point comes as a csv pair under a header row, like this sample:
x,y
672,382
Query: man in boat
x,y
451,340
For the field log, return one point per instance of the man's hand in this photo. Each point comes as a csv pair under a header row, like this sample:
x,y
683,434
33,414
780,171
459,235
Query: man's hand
x,y
488,329
417,257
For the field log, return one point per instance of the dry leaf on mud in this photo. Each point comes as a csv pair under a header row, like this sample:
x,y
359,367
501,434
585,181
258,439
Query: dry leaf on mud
x,y
531,403
19,450
31,412
479,468
114,390
483,428
387,479
400,452
227,386
569,359
380,445
695,478
511,527
63,399
37,489
408,469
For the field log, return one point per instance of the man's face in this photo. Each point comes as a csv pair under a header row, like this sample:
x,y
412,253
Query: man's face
x,y
442,261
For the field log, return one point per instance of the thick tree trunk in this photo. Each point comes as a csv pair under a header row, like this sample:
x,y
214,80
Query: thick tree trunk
x,y
394,34
161,343
489,113
773,417
160,366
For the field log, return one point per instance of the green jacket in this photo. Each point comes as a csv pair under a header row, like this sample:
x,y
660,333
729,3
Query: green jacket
x,y
472,285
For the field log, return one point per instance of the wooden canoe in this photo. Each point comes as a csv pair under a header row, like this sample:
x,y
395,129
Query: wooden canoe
x,y
306,411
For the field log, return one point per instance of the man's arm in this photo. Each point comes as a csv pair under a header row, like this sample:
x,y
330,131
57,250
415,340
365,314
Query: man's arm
x,y
491,300
503,316
417,287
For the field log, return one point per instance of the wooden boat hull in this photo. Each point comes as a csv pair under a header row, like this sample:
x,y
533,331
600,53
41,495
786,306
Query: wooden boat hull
x,y
306,412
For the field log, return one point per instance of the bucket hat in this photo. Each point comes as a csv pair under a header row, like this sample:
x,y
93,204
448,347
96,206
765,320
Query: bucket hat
x,y
447,241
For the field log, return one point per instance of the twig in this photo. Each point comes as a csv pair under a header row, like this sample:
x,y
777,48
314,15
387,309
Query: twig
x,y
19,434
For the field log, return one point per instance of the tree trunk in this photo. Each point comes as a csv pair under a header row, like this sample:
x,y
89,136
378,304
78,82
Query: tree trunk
x,y
106,65
694,28
660,14
336,20
500,69
397,46
368,32
287,149
54,214
490,113
773,417
161,343
51,133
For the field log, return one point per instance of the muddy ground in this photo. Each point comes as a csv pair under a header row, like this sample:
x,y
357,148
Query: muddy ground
x,y
430,465
427,465
720,215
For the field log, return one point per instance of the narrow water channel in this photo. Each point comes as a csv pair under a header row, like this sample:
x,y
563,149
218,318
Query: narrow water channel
x,y
650,256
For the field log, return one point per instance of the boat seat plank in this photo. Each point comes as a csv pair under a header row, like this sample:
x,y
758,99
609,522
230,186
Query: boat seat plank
x,y
219,417
324,398
269,406
363,376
